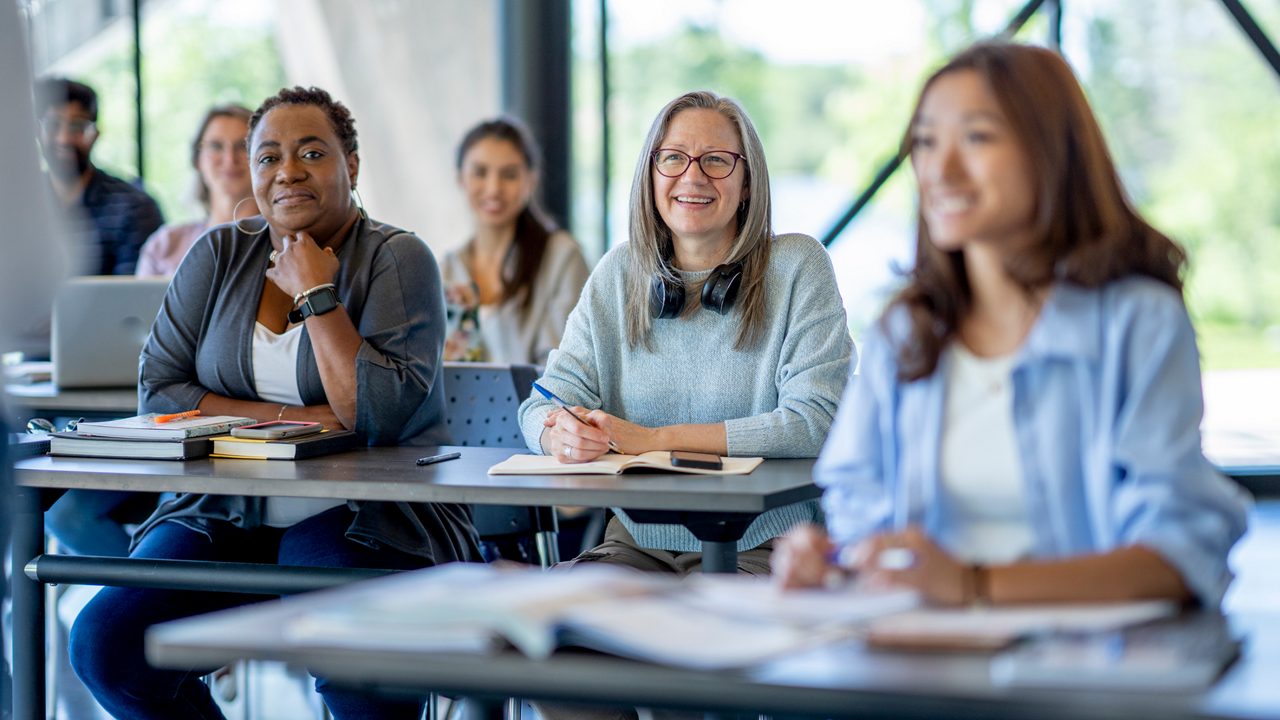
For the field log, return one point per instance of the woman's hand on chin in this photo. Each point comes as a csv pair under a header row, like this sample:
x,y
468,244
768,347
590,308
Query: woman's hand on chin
x,y
301,264
631,439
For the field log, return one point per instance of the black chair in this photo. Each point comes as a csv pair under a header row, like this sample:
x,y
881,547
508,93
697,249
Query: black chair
x,y
481,403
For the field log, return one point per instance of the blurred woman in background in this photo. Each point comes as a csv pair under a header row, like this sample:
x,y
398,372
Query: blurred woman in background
x,y
221,160
511,286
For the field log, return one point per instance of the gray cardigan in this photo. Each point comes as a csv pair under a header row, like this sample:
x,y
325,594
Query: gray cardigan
x,y
776,399
390,286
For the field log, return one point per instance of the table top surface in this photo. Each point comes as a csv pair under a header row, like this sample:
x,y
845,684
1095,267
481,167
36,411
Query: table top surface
x,y
837,681
389,473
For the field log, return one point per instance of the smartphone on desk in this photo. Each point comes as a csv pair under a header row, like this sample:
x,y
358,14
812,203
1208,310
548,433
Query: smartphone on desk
x,y
701,461
276,430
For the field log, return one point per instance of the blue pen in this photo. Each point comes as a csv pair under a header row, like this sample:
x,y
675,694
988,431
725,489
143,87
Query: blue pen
x,y
565,407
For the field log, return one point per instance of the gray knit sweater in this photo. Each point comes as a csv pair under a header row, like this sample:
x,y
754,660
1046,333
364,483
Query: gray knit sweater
x,y
776,399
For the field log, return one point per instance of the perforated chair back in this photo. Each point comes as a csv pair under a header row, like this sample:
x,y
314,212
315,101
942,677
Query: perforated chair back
x,y
481,405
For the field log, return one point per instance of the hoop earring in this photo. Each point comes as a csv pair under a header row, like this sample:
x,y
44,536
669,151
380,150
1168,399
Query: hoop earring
x,y
236,222
359,201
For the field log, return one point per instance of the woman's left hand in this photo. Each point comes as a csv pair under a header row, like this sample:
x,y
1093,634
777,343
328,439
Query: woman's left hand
x,y
933,572
300,265
631,439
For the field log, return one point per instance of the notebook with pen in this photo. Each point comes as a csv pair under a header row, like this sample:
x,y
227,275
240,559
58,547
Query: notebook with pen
x,y
616,464
151,426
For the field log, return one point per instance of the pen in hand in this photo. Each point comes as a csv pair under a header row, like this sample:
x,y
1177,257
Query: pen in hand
x,y
842,564
433,459
565,407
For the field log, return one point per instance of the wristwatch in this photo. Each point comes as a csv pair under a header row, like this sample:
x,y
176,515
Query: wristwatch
x,y
316,302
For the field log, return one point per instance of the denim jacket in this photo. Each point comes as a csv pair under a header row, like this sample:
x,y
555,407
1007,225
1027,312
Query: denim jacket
x,y
1106,410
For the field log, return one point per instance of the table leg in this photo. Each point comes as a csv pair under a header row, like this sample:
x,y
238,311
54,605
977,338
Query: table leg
x,y
28,607
719,557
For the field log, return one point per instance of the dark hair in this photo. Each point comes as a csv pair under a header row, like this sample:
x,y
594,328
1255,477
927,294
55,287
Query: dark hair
x,y
231,110
51,92
338,114
1085,229
533,227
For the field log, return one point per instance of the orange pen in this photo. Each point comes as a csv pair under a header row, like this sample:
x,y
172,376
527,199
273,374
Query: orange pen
x,y
176,416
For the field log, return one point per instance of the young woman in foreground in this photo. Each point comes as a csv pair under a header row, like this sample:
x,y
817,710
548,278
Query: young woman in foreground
x,y
1025,425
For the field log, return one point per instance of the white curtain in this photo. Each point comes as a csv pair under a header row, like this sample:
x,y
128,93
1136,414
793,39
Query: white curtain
x,y
416,75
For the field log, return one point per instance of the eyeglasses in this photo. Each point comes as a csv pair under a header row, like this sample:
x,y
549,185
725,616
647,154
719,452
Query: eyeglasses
x,y
717,164
217,147
76,127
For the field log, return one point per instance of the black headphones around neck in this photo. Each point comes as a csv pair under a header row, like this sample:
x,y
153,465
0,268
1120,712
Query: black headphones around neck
x,y
666,298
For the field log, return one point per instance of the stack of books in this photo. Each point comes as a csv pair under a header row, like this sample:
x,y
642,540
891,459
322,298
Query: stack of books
x,y
144,437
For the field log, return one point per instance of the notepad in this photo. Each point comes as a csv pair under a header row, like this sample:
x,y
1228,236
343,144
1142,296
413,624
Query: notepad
x,y
615,464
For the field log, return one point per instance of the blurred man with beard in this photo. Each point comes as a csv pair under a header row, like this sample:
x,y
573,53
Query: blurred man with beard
x,y
117,217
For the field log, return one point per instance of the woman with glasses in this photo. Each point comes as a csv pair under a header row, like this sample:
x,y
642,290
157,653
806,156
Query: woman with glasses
x,y
1025,426
312,311
220,158
706,332
511,286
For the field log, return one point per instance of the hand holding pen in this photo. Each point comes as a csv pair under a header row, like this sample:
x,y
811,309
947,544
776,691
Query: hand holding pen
x,y
570,436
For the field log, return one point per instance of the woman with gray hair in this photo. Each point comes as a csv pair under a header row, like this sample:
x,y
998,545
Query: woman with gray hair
x,y
728,339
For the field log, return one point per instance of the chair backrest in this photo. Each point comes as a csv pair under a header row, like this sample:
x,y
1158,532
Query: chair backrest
x,y
481,405
482,400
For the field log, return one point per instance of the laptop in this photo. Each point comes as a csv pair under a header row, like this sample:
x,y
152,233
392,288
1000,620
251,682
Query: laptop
x,y
99,326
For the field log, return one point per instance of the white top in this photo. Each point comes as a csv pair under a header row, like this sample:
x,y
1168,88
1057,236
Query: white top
x,y
275,378
983,497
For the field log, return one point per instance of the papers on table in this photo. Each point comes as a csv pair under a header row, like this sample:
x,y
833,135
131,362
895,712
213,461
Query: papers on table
x,y
704,622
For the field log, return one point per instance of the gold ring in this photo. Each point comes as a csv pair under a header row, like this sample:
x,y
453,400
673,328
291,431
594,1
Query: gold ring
x,y
271,259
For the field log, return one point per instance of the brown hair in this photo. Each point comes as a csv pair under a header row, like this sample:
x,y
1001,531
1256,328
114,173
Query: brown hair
x,y
231,110
651,239
1085,230
533,227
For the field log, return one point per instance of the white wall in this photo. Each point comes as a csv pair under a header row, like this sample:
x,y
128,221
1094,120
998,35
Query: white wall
x,y
416,75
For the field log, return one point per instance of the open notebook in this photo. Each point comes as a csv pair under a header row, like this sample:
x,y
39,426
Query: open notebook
x,y
615,464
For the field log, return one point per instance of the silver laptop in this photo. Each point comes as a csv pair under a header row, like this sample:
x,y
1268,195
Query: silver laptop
x,y
99,326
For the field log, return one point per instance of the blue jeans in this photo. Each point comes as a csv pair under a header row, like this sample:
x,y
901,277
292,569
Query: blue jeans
x,y
82,522
107,646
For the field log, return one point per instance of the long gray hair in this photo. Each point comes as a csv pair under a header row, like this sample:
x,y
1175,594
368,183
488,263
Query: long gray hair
x,y
651,239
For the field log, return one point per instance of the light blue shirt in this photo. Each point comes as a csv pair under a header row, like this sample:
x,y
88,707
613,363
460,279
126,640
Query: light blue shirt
x,y
1106,409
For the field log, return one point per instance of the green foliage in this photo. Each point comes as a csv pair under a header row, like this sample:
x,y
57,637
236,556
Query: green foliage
x,y
184,73
1188,107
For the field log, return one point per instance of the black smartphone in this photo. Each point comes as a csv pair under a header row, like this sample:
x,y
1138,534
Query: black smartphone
x,y
701,461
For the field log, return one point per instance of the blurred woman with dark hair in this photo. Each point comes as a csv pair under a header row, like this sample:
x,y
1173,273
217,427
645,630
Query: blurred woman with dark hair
x,y
1025,423
511,286
221,161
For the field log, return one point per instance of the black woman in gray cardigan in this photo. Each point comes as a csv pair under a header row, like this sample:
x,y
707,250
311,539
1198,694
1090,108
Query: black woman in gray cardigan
x,y
311,312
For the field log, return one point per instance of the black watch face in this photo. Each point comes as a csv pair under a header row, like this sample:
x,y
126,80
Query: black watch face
x,y
322,302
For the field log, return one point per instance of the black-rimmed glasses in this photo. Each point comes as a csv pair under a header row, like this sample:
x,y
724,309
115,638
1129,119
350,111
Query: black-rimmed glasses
x,y
717,164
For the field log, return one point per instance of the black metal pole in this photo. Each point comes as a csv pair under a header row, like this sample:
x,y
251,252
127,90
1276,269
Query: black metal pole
x,y
1054,8
253,578
605,160
137,76
536,86
1256,35
886,171
28,606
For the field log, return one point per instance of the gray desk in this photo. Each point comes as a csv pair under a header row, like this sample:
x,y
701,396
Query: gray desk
x,y
840,681
715,509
